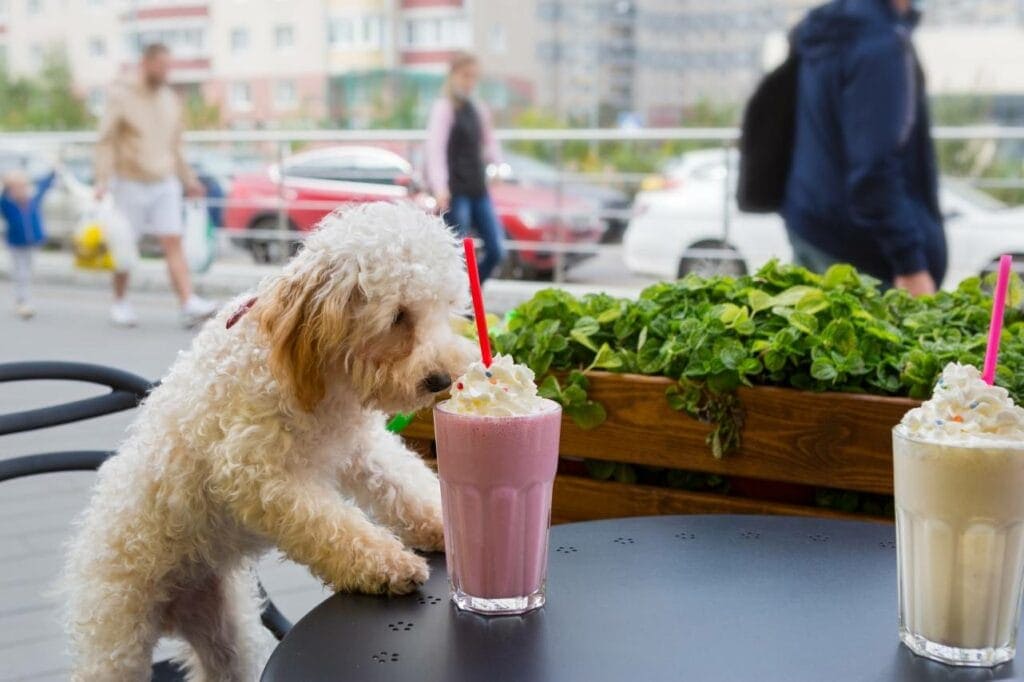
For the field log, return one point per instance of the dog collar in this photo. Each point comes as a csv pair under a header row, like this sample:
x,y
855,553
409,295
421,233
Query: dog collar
x,y
241,310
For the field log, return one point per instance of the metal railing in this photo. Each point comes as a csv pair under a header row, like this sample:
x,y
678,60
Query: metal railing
x,y
561,243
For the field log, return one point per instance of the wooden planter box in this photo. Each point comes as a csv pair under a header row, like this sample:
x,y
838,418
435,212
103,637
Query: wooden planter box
x,y
791,438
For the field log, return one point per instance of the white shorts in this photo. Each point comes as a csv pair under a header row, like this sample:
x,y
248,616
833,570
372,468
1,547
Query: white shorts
x,y
151,208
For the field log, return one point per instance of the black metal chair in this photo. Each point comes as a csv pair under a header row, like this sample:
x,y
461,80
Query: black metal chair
x,y
126,392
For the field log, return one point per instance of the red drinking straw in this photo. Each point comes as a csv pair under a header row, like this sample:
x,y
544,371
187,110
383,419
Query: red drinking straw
x,y
995,326
478,301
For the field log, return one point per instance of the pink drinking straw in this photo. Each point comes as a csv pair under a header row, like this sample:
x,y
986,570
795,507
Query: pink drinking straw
x,y
478,301
995,326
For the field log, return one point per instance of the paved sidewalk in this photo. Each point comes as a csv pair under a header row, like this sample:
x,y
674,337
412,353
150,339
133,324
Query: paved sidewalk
x,y
233,275
225,278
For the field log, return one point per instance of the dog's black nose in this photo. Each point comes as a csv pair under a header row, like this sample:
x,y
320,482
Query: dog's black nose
x,y
437,382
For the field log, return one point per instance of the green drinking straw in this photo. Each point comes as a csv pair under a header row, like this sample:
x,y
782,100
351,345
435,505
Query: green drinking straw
x,y
398,423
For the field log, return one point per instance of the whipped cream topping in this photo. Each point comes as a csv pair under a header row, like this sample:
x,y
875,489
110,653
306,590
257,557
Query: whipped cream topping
x,y
504,389
964,408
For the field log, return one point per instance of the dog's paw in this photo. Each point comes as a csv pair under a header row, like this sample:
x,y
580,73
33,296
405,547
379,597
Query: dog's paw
x,y
427,534
405,573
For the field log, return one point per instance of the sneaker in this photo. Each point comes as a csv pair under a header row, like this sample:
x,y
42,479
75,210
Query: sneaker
x,y
123,315
25,311
196,311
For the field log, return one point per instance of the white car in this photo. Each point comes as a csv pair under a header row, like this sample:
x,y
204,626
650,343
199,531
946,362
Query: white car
x,y
691,223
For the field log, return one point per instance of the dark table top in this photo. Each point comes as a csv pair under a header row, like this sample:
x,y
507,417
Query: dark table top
x,y
708,598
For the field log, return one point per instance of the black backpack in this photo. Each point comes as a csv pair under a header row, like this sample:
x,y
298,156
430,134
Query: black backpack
x,y
766,140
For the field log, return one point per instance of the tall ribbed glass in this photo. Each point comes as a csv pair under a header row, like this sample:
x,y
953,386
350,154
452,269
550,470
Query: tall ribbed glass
x,y
497,475
960,547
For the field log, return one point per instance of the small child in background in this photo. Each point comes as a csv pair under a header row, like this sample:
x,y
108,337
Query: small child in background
x,y
21,208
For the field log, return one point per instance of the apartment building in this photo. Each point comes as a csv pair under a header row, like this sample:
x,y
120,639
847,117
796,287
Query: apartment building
x,y
268,60
689,51
651,60
360,35
588,50
388,57
973,12
702,51
33,28
354,62
409,60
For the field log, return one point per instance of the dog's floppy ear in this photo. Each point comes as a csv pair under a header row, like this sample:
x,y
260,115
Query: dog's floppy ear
x,y
305,321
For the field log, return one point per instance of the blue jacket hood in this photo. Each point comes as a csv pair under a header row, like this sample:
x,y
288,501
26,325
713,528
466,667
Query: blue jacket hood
x,y
828,28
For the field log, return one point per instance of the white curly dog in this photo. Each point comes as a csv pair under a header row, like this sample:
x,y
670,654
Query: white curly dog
x,y
270,431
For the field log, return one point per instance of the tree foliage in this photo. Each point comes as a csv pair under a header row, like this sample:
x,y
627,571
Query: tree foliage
x,y
979,159
45,102
200,114
633,156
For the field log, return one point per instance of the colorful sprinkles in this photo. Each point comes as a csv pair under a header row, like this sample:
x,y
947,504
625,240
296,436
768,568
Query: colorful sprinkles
x,y
459,386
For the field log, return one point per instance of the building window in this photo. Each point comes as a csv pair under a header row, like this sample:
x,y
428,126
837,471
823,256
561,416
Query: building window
x,y
549,11
35,55
284,36
373,31
496,41
239,39
184,43
240,97
96,99
97,47
550,52
342,32
34,6
366,32
284,95
437,33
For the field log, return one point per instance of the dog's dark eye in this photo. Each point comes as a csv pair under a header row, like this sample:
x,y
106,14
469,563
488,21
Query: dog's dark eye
x,y
399,318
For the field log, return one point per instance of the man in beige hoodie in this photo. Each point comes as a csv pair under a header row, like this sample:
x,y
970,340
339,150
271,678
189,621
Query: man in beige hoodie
x,y
139,159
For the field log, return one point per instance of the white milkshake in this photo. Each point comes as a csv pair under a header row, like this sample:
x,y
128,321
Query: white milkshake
x,y
959,480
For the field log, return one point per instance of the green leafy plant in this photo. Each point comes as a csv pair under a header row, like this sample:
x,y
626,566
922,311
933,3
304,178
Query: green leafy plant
x,y
722,410
604,470
584,412
780,326
855,503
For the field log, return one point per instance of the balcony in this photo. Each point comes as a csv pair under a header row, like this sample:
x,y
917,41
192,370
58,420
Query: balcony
x,y
163,9
430,4
184,71
427,57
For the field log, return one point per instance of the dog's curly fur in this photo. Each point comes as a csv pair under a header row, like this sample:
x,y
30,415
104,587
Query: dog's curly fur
x,y
272,433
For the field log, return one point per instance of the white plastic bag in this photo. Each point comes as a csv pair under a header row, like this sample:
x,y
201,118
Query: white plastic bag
x,y
200,240
104,240
121,240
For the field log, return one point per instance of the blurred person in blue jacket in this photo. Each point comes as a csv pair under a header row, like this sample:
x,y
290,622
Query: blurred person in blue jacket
x,y
863,185
22,211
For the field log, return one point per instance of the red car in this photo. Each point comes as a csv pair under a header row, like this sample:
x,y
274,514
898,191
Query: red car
x,y
318,181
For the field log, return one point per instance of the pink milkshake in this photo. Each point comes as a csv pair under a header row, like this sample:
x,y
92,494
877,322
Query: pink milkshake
x,y
497,453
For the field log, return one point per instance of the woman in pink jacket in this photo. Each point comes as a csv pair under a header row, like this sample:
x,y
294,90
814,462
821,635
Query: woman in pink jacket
x,y
460,144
